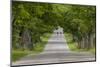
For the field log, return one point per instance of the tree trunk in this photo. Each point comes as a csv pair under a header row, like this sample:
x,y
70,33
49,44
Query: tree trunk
x,y
83,43
92,40
79,44
26,40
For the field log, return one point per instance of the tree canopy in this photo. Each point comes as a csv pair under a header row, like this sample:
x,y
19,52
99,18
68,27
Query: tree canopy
x,y
31,20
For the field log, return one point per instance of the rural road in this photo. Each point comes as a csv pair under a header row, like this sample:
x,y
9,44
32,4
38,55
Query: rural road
x,y
56,51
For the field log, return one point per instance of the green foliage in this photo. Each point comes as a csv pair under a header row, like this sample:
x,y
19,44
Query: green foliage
x,y
39,47
30,21
73,45
16,55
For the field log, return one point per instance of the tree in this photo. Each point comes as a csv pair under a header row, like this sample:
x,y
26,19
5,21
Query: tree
x,y
30,21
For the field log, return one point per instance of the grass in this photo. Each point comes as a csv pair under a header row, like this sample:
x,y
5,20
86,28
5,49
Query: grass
x,y
92,50
73,45
40,46
17,54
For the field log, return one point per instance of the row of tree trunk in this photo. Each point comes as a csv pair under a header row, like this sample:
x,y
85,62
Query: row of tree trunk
x,y
86,41
25,40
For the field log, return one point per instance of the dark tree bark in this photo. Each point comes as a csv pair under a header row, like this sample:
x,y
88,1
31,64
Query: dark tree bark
x,y
26,40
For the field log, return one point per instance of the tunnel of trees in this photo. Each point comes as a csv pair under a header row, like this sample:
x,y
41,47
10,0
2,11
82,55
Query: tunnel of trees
x,y
31,20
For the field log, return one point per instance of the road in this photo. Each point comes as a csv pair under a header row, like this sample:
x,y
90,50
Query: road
x,y
56,51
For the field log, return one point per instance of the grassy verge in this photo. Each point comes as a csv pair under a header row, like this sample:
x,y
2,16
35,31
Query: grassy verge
x,y
40,46
17,54
73,45
92,50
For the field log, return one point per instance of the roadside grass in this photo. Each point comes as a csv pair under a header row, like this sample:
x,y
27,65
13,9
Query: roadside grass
x,y
92,50
17,54
39,47
73,45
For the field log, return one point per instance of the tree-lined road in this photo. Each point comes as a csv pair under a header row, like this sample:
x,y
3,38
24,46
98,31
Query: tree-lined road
x,y
56,51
